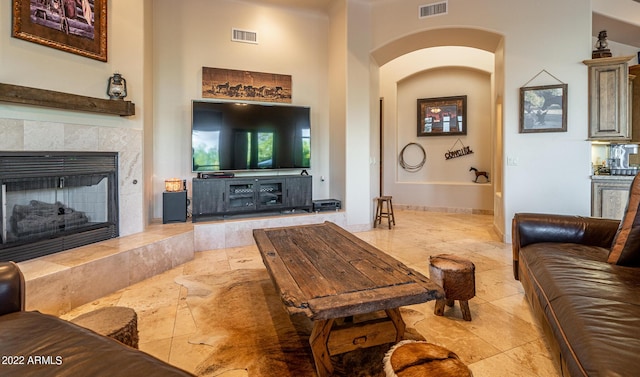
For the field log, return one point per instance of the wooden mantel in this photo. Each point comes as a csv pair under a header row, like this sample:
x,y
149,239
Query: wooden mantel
x,y
49,98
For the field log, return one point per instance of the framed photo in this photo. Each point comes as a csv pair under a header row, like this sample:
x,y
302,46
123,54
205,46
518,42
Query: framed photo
x,y
75,26
442,116
245,85
543,108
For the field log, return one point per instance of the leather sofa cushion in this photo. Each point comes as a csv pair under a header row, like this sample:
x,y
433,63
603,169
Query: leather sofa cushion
x,y
593,307
69,350
625,250
11,288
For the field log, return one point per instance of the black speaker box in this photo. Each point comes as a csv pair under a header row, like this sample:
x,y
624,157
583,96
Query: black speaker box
x,y
174,207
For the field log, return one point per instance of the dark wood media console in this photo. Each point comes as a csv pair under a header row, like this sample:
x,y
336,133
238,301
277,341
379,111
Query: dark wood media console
x,y
220,197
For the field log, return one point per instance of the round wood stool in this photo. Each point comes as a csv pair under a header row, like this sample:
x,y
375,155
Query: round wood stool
x,y
456,276
116,322
382,212
411,358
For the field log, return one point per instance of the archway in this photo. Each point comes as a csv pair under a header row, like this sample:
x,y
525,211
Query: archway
x,y
474,39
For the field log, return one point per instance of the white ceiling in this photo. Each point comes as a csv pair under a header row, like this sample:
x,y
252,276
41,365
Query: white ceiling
x,y
617,30
321,5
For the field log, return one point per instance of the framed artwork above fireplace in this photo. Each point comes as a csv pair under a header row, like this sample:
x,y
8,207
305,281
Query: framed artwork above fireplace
x,y
75,26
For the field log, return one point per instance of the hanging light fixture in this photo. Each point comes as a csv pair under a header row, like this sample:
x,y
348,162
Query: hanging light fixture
x,y
117,87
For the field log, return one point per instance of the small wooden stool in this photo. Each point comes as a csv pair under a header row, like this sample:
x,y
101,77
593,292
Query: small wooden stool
x,y
411,358
384,212
456,276
116,322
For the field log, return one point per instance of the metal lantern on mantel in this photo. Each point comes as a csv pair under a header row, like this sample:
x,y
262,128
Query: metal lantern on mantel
x,y
117,87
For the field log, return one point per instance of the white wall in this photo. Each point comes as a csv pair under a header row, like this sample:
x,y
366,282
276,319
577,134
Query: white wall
x,y
198,33
552,174
441,184
358,118
337,99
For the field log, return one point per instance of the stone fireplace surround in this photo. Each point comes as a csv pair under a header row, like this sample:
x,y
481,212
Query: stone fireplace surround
x,y
31,135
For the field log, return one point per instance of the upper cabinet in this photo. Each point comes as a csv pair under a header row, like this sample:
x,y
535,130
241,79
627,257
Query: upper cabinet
x,y
634,101
609,115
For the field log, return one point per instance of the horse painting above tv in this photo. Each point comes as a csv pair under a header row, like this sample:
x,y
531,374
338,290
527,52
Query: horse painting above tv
x,y
231,136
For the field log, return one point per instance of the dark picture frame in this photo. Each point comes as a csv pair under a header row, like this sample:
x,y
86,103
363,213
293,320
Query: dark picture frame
x,y
543,108
78,27
442,116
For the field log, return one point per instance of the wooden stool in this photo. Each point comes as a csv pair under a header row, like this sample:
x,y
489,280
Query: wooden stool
x,y
411,358
116,322
457,277
384,212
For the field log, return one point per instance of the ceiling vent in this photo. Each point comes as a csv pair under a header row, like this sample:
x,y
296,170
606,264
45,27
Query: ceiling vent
x,y
431,10
246,36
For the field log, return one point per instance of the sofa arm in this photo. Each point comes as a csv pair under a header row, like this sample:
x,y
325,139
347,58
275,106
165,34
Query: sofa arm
x,y
529,228
11,288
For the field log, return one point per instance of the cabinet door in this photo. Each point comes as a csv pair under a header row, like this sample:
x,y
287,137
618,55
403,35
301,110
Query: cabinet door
x,y
241,195
608,99
271,194
299,191
207,197
610,199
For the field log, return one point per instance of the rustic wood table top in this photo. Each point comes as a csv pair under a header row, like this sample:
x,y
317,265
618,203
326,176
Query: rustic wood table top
x,y
326,272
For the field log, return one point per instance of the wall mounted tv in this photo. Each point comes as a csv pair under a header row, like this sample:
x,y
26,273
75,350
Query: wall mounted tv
x,y
228,136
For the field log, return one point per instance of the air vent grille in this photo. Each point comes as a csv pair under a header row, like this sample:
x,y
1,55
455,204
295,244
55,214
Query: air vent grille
x,y
246,36
431,10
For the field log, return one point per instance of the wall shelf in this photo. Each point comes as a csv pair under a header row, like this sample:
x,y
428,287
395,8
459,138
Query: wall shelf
x,y
49,98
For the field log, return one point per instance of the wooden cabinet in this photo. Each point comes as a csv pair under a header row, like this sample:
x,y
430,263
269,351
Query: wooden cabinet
x,y
207,196
634,90
609,98
609,196
299,191
219,197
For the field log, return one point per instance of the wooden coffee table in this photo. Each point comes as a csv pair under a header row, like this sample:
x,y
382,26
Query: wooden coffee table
x,y
331,275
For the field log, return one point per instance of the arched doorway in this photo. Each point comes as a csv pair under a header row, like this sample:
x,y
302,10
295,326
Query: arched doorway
x,y
477,43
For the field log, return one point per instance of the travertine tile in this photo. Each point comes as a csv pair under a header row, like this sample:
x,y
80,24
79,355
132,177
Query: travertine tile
x,y
502,339
534,356
12,131
501,365
158,348
500,328
186,354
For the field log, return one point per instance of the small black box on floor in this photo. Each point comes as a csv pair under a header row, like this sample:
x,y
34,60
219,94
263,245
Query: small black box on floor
x,y
174,207
326,205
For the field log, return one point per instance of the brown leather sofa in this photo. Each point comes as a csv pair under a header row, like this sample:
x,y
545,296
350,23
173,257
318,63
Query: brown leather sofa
x,y
586,299
36,344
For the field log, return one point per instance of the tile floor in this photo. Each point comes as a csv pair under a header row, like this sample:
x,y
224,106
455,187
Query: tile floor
x,y
501,340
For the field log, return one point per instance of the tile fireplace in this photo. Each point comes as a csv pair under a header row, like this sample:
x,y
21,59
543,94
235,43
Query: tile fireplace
x,y
55,201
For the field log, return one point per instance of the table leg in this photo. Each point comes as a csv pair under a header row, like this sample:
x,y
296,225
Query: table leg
x,y
318,341
395,317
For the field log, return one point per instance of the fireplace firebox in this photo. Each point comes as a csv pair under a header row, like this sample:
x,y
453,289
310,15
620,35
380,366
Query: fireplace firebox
x,y
55,201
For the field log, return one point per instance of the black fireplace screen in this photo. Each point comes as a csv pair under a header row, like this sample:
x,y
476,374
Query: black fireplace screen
x,y
56,201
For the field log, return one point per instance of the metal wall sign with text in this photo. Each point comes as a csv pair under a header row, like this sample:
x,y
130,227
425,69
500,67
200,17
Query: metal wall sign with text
x,y
455,153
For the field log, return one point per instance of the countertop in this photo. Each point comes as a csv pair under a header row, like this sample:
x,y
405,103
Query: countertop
x,y
604,177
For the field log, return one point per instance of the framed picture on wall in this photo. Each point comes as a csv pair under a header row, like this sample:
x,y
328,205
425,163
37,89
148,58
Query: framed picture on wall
x,y
442,116
75,26
543,108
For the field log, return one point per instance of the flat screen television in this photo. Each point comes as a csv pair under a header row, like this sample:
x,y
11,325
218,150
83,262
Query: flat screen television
x,y
229,136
